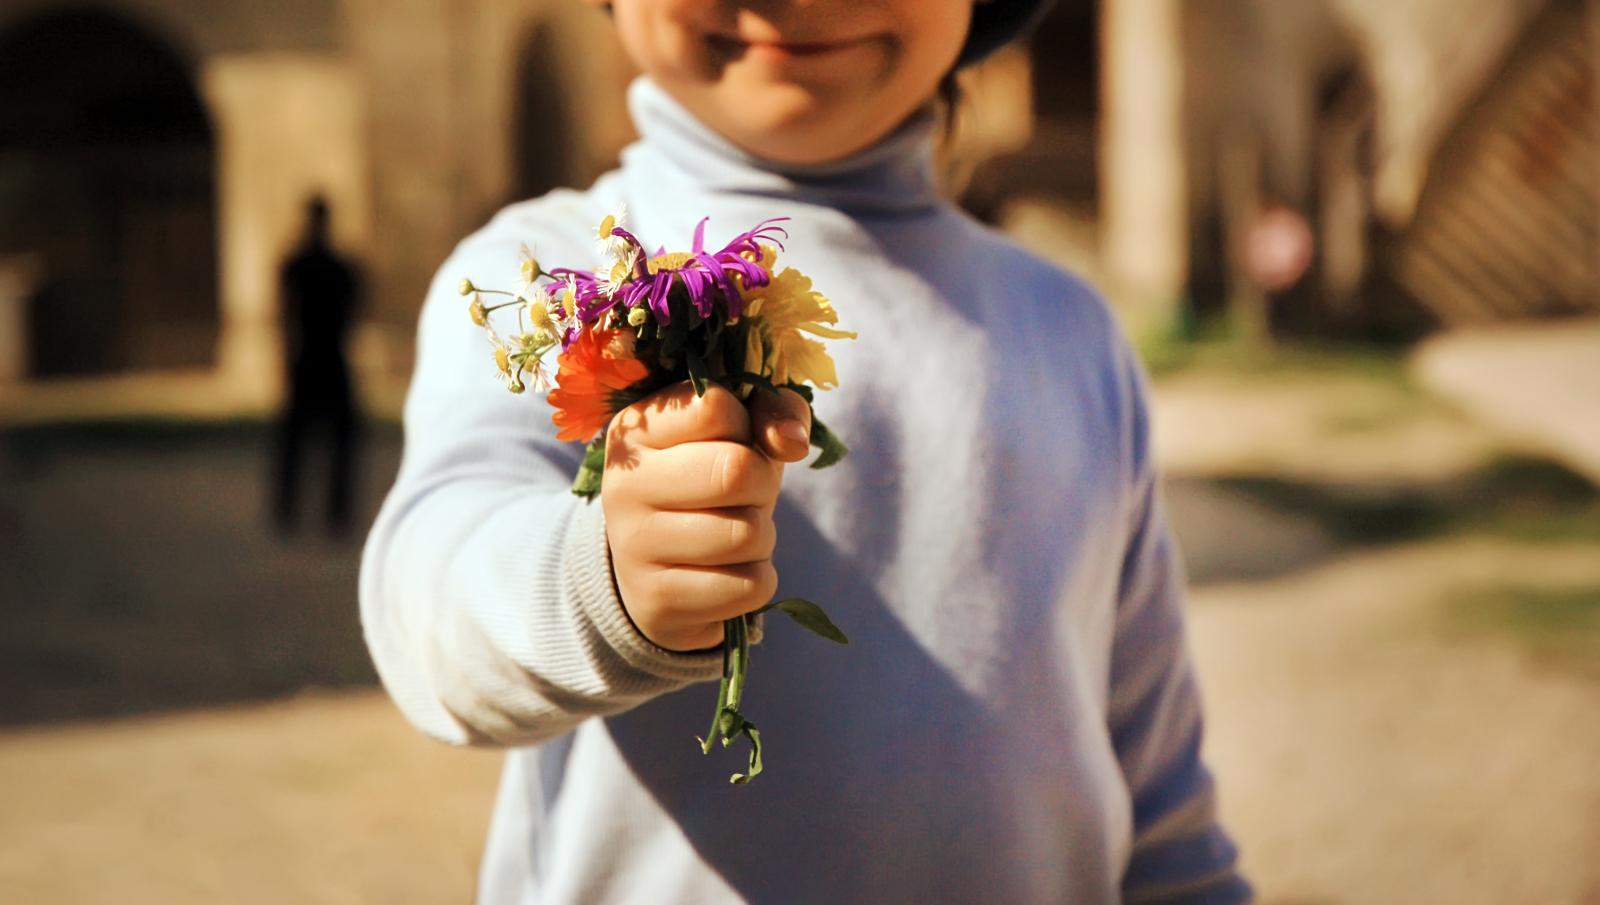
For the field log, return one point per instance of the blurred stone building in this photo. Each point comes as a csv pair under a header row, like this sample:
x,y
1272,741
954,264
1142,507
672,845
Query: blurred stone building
x,y
1442,158
156,157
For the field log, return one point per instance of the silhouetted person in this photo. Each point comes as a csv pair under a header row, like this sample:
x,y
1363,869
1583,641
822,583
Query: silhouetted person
x,y
320,295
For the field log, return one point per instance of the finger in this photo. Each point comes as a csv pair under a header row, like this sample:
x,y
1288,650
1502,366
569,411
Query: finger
x,y
711,594
705,475
781,424
674,416
706,537
701,637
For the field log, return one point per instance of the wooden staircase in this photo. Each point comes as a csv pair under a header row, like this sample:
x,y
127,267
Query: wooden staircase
x,y
1508,225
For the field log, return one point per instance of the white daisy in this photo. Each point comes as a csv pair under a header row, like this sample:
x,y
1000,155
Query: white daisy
x,y
611,245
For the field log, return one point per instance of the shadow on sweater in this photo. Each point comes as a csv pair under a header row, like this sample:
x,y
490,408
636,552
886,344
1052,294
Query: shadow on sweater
x,y
874,754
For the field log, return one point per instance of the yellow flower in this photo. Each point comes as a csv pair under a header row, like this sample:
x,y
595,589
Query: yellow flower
x,y
779,315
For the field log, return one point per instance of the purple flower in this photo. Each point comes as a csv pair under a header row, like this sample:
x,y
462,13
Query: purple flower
x,y
587,296
704,275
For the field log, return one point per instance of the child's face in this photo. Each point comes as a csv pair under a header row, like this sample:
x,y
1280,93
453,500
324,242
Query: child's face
x,y
796,81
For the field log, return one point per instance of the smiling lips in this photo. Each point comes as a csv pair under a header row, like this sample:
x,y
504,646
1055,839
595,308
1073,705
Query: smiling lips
x,y
783,50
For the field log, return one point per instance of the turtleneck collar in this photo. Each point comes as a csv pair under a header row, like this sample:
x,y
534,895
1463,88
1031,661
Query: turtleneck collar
x,y
893,176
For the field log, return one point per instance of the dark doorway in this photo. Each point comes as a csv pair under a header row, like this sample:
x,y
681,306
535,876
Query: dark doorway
x,y
541,123
1066,97
1060,163
107,188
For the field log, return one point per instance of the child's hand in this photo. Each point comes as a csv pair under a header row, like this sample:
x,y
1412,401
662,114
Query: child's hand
x,y
690,485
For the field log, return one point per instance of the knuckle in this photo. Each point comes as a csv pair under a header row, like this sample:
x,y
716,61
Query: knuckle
x,y
724,412
750,533
736,470
765,582
752,584
741,531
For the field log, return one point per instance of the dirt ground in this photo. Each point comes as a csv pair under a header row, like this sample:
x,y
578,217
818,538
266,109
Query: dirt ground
x,y
1393,715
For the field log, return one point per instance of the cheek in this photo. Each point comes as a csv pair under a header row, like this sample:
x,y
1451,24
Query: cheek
x,y
659,37
937,33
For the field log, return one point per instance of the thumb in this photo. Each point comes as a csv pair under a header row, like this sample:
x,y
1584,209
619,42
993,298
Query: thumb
x,y
781,424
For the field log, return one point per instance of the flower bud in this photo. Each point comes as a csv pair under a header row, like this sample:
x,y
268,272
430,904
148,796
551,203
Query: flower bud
x,y
466,288
637,316
480,314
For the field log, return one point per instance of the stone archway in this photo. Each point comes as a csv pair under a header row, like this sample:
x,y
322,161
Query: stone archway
x,y
107,190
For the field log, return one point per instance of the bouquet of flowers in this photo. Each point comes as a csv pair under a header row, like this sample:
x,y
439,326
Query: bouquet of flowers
x,y
643,321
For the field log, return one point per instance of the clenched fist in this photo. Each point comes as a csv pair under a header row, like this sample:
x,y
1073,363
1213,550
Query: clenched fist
x,y
690,485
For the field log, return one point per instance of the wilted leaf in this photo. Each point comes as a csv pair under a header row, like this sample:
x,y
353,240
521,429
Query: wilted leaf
x,y
810,616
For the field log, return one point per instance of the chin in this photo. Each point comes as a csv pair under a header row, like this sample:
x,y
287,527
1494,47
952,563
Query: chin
x,y
792,124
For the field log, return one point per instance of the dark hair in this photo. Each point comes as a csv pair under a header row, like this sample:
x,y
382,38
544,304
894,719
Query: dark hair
x,y
949,97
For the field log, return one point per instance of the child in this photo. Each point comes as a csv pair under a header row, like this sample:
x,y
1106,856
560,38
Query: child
x,y
1015,719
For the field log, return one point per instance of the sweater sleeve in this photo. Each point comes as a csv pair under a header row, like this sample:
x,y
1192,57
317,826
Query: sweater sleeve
x,y
1180,853
487,596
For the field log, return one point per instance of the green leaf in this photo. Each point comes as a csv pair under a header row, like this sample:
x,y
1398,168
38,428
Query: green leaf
x,y
677,336
754,735
587,482
810,616
697,373
833,449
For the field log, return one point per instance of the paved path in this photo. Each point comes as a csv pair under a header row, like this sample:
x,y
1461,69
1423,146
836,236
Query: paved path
x,y
1538,383
1369,754
325,799
1365,752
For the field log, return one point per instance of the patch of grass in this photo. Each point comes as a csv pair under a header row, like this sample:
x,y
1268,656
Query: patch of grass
x,y
1215,349
1557,625
1514,497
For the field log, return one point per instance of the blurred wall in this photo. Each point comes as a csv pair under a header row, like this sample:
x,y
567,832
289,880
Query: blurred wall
x,y
1434,151
445,80
289,126
1159,133
202,27
1428,58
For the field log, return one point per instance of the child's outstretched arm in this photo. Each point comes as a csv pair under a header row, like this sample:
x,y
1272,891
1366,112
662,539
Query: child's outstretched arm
x,y
1180,853
488,595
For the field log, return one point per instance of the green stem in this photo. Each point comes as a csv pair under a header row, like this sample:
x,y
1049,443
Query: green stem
x,y
727,722
722,694
741,659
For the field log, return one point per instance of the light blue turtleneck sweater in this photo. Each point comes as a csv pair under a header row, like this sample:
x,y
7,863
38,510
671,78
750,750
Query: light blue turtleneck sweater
x,y
1016,719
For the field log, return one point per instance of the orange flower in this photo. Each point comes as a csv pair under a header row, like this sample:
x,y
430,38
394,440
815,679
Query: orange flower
x,y
593,370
